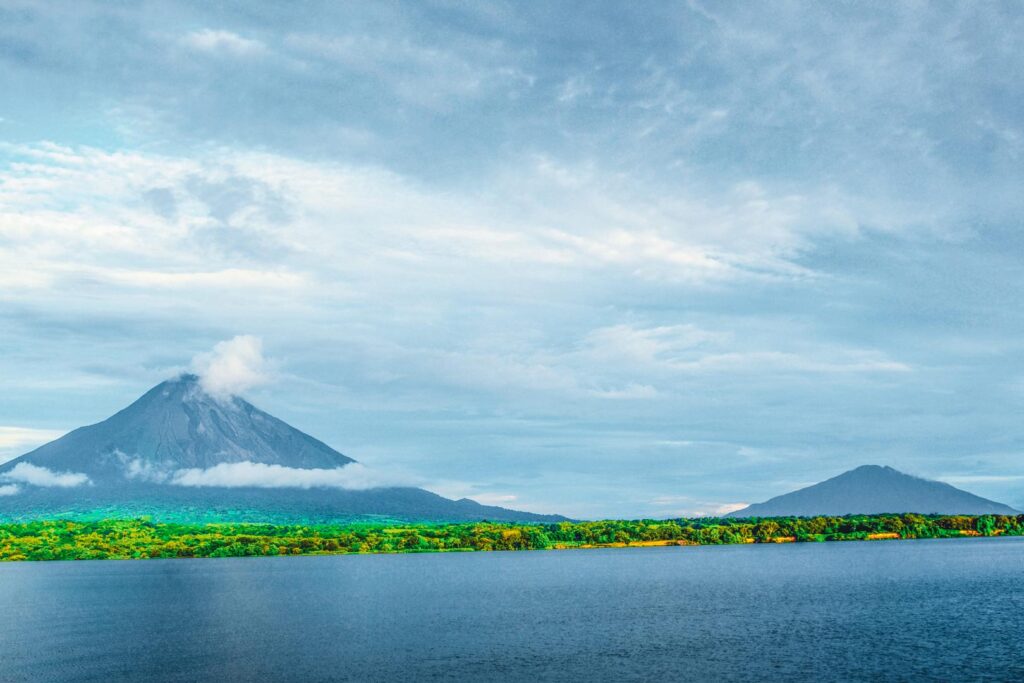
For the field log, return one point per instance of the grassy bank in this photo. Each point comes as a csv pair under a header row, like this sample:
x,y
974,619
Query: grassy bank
x,y
142,538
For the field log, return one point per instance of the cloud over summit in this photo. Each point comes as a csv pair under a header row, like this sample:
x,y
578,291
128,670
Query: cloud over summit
x,y
232,367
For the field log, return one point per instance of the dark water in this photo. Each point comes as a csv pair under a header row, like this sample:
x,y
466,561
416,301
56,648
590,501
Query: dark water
x,y
920,610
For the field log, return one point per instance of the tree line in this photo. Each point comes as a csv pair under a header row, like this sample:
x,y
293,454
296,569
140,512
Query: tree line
x,y
145,538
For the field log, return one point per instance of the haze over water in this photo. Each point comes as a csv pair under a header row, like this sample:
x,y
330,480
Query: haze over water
x,y
922,610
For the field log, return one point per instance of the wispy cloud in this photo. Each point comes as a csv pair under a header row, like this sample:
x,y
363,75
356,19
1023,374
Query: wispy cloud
x,y
15,441
60,202
220,41
683,506
430,75
21,437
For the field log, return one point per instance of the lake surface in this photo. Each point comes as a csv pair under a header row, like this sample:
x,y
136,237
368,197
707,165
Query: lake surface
x,y
914,610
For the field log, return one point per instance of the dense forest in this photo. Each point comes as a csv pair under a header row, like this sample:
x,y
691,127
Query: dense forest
x,y
143,538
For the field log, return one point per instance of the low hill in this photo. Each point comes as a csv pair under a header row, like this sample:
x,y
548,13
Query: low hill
x,y
872,489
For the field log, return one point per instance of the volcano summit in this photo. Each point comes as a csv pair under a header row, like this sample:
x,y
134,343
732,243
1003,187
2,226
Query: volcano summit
x,y
180,449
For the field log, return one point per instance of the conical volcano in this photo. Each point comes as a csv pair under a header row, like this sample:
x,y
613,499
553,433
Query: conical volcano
x,y
179,447
177,425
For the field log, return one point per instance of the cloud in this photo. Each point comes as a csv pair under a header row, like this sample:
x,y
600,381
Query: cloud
x,y
232,367
9,490
499,499
428,75
961,479
683,506
631,391
139,469
229,278
665,344
16,437
210,40
432,250
852,361
28,473
689,349
16,440
251,474
724,509
247,220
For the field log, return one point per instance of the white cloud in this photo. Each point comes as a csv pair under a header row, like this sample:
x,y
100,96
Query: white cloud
x,y
684,506
251,474
210,40
14,437
499,499
825,361
229,278
726,508
690,349
27,473
631,391
650,345
719,509
14,441
232,367
573,88
245,220
9,490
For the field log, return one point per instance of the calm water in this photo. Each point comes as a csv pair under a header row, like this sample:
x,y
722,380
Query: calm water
x,y
923,610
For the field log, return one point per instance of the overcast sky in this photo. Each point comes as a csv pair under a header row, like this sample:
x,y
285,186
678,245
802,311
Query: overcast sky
x,y
602,259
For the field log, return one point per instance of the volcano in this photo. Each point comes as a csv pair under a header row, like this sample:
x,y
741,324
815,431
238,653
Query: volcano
x,y
179,451
874,489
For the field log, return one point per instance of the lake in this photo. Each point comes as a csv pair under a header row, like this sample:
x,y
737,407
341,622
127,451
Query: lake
x,y
912,610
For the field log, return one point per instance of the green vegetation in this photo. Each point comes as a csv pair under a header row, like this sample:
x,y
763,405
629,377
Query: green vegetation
x,y
194,515
142,538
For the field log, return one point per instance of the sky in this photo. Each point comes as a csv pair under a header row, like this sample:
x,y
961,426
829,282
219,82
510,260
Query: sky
x,y
604,260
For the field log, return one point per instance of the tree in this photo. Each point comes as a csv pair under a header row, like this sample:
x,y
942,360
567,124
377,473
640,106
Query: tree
x,y
765,530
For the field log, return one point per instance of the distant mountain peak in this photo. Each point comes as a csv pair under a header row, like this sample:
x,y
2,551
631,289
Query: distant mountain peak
x,y
186,379
189,387
873,489
178,425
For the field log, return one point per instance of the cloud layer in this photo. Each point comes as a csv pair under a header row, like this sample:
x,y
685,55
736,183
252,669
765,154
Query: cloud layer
x,y
531,256
353,476
27,473
249,474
